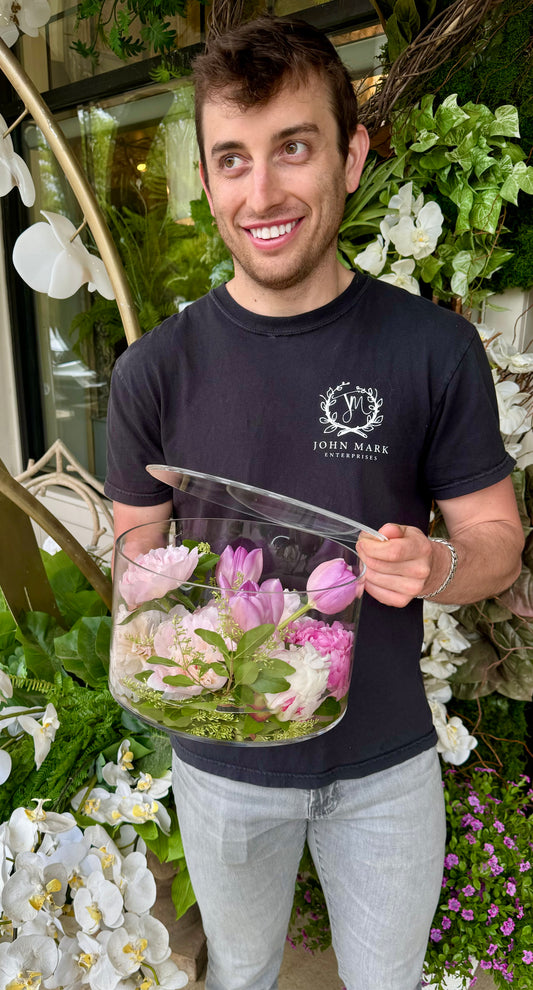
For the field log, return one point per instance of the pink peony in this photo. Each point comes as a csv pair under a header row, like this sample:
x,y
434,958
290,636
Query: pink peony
x,y
333,642
177,639
156,573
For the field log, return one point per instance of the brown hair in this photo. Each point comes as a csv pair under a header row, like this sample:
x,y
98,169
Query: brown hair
x,y
255,59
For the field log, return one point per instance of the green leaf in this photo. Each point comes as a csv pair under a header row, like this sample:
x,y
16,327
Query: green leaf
x,y
506,122
213,639
179,680
251,640
246,672
84,651
36,632
486,209
183,896
448,115
272,685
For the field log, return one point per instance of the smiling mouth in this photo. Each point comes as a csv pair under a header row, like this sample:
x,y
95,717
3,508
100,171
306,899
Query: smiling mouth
x,y
273,232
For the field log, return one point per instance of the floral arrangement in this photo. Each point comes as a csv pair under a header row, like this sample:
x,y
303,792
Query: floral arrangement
x,y
486,907
235,659
75,907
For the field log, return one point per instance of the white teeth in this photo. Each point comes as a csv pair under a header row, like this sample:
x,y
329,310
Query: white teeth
x,y
267,233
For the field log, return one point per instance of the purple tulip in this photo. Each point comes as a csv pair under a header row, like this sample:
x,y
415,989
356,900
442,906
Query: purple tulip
x,y
237,566
332,586
253,606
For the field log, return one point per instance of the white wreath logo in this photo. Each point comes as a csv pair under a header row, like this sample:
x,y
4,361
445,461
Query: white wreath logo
x,y
332,424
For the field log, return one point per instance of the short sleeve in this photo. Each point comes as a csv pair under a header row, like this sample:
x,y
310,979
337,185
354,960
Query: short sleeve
x,y
465,450
134,434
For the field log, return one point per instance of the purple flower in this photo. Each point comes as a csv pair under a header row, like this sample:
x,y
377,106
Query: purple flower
x,y
527,957
492,949
524,865
469,890
307,896
451,860
470,837
435,935
446,922
510,843
499,826
253,606
508,926
332,586
485,964
495,867
467,914
237,566
493,911
510,888
454,904
488,847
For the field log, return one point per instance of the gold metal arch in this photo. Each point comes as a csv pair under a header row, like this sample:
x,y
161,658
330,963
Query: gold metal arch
x,y
79,184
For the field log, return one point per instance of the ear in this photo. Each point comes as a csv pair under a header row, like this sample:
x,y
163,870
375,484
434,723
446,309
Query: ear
x,y
357,152
203,177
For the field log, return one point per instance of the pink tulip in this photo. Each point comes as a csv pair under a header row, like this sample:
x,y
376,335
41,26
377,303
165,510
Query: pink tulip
x,y
253,606
156,573
332,586
237,566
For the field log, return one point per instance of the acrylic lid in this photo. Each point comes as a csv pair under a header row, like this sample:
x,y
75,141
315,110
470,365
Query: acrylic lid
x,y
260,503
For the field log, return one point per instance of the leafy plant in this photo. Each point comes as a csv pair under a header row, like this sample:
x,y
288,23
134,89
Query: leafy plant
x,y
129,27
468,160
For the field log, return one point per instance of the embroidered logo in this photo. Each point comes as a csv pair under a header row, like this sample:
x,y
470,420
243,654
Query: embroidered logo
x,y
351,410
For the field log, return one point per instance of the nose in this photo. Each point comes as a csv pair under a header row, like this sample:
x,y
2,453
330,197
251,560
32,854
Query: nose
x,y
265,191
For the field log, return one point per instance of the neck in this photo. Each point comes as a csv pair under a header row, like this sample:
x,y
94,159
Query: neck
x,y
316,291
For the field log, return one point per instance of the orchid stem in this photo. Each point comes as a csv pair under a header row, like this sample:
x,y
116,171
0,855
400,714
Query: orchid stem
x,y
14,124
79,230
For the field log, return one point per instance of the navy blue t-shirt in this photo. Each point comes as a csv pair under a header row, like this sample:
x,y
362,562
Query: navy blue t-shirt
x,y
370,406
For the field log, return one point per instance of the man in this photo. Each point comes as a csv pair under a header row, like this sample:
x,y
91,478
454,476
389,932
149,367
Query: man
x,y
325,385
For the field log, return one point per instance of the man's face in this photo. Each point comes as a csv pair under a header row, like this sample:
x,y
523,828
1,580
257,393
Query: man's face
x,y
276,183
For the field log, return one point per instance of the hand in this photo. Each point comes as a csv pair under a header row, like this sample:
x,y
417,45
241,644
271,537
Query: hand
x,y
398,568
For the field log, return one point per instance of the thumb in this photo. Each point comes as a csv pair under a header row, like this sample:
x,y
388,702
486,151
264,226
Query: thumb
x,y
393,531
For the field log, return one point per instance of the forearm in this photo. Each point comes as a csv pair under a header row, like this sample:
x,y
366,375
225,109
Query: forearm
x,y
488,561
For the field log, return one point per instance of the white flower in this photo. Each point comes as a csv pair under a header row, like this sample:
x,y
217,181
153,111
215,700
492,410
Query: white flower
x,y
32,887
154,788
505,355
437,667
137,884
24,826
43,732
454,742
403,204
26,962
307,685
437,690
13,169
141,939
51,259
5,766
401,276
446,636
26,16
84,960
6,685
168,976
98,902
418,238
514,417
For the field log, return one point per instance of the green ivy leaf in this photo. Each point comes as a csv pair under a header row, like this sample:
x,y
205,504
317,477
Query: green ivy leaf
x,y
506,122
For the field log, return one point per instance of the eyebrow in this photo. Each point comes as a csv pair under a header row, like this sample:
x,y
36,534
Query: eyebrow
x,y
286,132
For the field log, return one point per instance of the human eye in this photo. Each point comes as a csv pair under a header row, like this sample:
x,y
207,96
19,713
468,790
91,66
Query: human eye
x,y
229,163
295,149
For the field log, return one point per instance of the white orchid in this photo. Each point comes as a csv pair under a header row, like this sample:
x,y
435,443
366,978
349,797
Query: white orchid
x,y
167,976
43,732
437,690
137,884
14,173
142,939
401,275
504,355
6,685
5,765
27,962
98,903
403,205
32,887
84,961
454,742
51,258
514,416
26,16
446,636
374,257
438,667
418,238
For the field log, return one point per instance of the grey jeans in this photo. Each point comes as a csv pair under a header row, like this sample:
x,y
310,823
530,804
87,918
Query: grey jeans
x,y
378,846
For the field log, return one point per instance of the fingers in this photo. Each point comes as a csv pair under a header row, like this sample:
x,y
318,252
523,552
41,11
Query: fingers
x,y
397,569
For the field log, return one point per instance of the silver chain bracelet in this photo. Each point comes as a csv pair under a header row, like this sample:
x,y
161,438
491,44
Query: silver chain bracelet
x,y
451,572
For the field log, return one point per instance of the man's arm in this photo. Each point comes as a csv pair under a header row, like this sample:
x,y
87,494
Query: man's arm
x,y
487,534
127,516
